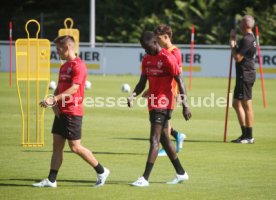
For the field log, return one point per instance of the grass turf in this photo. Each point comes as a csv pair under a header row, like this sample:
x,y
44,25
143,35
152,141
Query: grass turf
x,y
118,136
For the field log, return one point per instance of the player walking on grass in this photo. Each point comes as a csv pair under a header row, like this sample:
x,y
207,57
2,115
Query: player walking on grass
x,y
68,120
160,67
244,55
164,34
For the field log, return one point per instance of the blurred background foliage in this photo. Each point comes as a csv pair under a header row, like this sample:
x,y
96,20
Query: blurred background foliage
x,y
122,21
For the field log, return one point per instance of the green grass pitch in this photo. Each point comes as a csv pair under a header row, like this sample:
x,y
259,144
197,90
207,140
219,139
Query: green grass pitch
x,y
118,136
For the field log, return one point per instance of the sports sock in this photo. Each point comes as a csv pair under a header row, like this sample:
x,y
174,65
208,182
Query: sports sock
x,y
53,175
174,133
148,169
243,129
99,169
178,167
248,131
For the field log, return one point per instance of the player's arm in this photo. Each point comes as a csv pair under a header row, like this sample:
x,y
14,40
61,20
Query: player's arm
x,y
238,57
51,100
71,90
138,89
56,91
77,78
182,91
233,45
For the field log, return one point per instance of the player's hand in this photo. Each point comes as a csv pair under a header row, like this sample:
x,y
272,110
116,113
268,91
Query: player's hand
x,y
43,104
233,43
130,100
233,34
49,101
232,39
186,113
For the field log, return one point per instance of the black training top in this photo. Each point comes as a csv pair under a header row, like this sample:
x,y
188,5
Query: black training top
x,y
247,48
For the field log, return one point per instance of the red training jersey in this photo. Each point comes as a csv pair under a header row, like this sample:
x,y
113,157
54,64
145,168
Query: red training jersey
x,y
160,71
177,54
72,72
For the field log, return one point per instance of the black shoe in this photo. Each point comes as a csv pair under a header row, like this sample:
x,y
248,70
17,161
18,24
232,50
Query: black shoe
x,y
238,140
242,140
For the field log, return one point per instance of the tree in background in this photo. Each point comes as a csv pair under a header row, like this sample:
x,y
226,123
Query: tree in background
x,y
122,21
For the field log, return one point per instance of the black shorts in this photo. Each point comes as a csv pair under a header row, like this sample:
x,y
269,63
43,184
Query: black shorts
x,y
68,126
243,90
161,116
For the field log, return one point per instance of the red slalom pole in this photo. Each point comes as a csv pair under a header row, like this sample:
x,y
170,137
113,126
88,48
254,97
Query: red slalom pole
x,y
261,66
192,56
10,53
227,104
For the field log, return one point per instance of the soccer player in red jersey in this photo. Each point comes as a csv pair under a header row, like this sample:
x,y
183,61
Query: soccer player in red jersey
x,y
160,68
164,34
68,120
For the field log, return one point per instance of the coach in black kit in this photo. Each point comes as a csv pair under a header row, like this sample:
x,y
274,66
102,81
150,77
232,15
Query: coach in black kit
x,y
244,54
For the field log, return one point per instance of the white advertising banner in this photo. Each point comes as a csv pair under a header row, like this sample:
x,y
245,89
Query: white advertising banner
x,y
209,61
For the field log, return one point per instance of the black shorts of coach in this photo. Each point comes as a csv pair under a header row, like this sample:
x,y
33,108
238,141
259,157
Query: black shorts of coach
x,y
160,116
243,88
68,126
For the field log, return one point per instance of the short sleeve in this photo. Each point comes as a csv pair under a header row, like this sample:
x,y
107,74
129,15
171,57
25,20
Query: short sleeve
x,y
173,67
78,73
177,54
244,45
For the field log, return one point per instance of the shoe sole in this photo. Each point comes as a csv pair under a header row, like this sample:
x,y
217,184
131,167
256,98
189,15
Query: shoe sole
x,y
173,183
139,185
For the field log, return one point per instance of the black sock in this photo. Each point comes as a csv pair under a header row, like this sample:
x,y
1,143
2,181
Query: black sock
x,y
99,169
53,175
148,169
243,128
174,133
178,167
248,132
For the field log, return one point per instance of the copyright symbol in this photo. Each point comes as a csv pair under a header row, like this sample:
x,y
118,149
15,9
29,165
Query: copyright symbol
x,y
50,100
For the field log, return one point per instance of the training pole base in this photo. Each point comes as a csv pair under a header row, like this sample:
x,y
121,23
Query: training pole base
x,y
32,145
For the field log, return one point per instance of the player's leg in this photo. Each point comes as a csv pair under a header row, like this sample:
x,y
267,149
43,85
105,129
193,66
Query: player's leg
x,y
87,155
249,118
84,153
156,119
174,133
181,175
179,137
249,114
74,142
57,155
155,134
237,105
162,151
167,143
